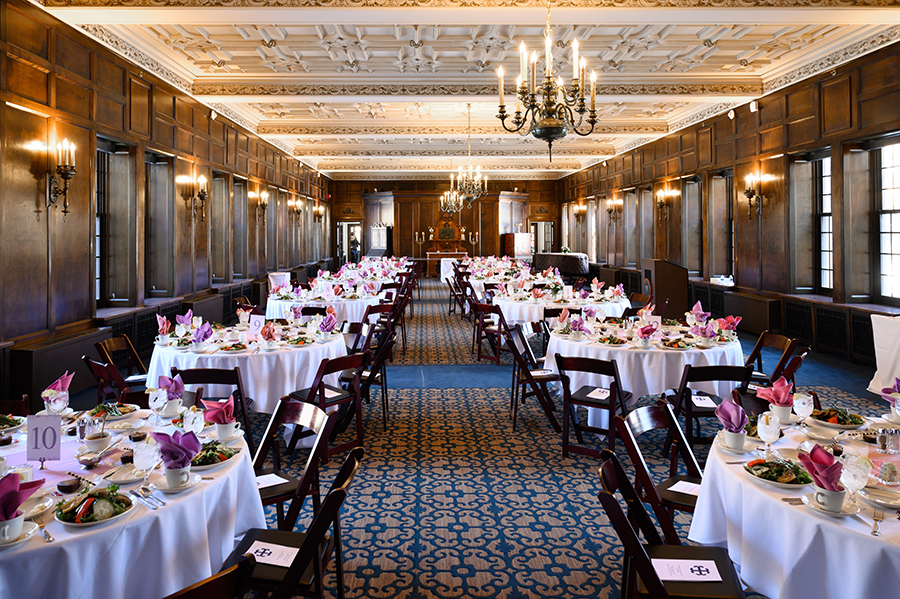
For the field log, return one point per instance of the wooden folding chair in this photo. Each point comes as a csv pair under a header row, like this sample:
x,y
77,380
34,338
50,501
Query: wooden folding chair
x,y
778,342
111,386
136,374
227,584
536,381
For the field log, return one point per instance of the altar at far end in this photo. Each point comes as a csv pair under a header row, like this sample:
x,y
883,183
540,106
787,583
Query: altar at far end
x,y
447,240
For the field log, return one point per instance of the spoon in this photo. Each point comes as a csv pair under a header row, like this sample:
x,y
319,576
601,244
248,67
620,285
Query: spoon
x,y
147,492
89,459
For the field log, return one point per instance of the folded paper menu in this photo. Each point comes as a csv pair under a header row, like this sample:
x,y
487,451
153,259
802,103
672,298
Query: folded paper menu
x,y
273,555
269,480
685,487
686,570
599,393
702,401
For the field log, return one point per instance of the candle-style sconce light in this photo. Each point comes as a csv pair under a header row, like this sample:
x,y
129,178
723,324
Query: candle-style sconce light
x,y
579,210
262,205
318,212
420,239
473,239
199,201
754,195
612,211
662,203
65,170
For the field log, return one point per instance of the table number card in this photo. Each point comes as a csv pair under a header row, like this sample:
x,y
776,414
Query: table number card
x,y
43,437
657,319
257,322
687,570
273,555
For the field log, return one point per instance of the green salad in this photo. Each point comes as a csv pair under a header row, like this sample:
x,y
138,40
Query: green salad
x,y
783,471
211,453
837,416
611,340
93,506
8,420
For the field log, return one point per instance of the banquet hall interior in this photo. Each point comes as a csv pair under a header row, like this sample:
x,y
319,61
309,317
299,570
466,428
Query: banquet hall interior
x,y
461,260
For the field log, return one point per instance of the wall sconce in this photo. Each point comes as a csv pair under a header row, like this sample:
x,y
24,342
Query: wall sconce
x,y
318,212
612,211
662,206
262,205
420,239
754,194
202,196
579,210
65,169
473,239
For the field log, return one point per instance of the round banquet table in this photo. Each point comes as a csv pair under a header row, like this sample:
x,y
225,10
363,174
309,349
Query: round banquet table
x,y
447,268
267,376
517,311
345,310
478,284
643,371
790,551
143,555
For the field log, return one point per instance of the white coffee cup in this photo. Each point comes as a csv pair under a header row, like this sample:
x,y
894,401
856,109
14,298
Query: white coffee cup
x,y
830,501
706,342
734,440
162,339
198,346
225,432
895,414
177,477
11,530
172,407
2,466
271,344
783,412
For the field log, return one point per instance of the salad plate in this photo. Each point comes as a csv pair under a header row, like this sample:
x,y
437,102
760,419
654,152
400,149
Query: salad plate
x,y
120,505
11,428
759,470
837,426
124,411
210,451
848,509
748,446
163,485
887,498
231,350
28,530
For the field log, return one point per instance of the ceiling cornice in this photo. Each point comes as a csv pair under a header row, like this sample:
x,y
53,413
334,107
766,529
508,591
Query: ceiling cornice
x,y
369,130
420,166
410,4
392,176
560,151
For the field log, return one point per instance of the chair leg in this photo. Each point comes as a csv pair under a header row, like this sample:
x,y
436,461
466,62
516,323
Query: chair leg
x,y
579,436
279,511
338,557
565,429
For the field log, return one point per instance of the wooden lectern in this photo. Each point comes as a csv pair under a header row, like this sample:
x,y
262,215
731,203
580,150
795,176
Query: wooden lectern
x,y
662,280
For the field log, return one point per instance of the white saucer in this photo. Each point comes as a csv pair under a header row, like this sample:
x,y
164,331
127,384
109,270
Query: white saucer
x,y
162,485
66,412
28,529
748,446
889,418
213,437
848,509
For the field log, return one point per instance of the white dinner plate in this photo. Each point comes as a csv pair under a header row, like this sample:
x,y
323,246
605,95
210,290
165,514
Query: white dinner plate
x,y
666,347
233,351
120,416
748,446
28,529
775,483
880,496
216,465
87,524
162,485
125,427
840,427
848,509
126,475
66,412
11,429
618,345
820,436
35,506
889,418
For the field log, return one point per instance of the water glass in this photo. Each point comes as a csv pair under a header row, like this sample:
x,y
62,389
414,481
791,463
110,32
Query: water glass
x,y
57,403
768,427
803,407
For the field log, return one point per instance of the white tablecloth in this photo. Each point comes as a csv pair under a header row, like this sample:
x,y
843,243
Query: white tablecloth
x,y
790,552
146,555
345,310
277,279
447,268
516,312
267,376
886,331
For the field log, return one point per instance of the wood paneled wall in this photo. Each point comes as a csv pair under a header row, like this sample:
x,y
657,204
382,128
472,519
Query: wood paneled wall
x,y
56,83
413,206
836,111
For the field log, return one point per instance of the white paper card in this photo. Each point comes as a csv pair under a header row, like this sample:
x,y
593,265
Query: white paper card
x,y
540,371
686,570
599,393
269,480
754,387
257,322
329,393
701,401
688,488
273,555
656,319
43,437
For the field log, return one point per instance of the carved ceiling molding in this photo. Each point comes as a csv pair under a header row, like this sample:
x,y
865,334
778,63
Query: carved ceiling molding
x,y
448,130
227,111
390,176
619,89
116,43
412,167
414,152
369,4
834,59
703,115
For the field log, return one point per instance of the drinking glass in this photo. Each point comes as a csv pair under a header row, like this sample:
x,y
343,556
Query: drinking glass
x,y
690,319
768,427
56,404
803,407
146,455
854,475
157,402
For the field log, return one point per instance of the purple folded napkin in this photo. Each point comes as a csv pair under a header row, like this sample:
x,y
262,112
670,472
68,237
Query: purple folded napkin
x,y
174,387
13,493
219,413
584,293
203,333
577,324
892,394
732,416
824,469
297,310
779,394
708,330
177,449
328,323
647,331
590,312
699,315
186,319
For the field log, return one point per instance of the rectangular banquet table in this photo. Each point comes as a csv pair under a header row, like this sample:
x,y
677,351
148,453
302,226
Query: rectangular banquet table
x,y
143,555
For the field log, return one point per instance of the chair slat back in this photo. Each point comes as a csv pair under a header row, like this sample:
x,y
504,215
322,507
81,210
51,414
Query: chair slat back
x,y
227,584
122,343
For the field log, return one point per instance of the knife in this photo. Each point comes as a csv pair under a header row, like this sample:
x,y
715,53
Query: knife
x,y
142,500
113,471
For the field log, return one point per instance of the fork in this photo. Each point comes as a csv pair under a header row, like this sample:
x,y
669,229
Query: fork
x,y
877,517
40,522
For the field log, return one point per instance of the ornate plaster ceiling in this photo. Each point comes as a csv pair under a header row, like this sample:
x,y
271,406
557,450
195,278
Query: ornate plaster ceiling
x,y
379,89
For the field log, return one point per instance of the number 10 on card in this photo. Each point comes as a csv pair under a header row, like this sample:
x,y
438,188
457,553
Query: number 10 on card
x,y
43,437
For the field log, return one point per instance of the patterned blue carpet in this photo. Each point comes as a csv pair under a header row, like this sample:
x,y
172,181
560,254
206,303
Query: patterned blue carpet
x,y
450,502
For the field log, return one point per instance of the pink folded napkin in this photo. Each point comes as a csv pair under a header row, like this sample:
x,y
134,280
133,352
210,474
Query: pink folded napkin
x,y
321,272
779,394
647,331
892,394
699,315
596,285
268,332
174,387
729,323
219,412
312,283
521,284
646,311
337,290
331,310
732,416
618,291
13,494
707,330
203,333
547,272
824,469
186,319
563,316
62,383
537,292
327,325
163,324
177,449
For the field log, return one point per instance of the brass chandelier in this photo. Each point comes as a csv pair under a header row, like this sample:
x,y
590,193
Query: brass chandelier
x,y
469,184
550,111
451,202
